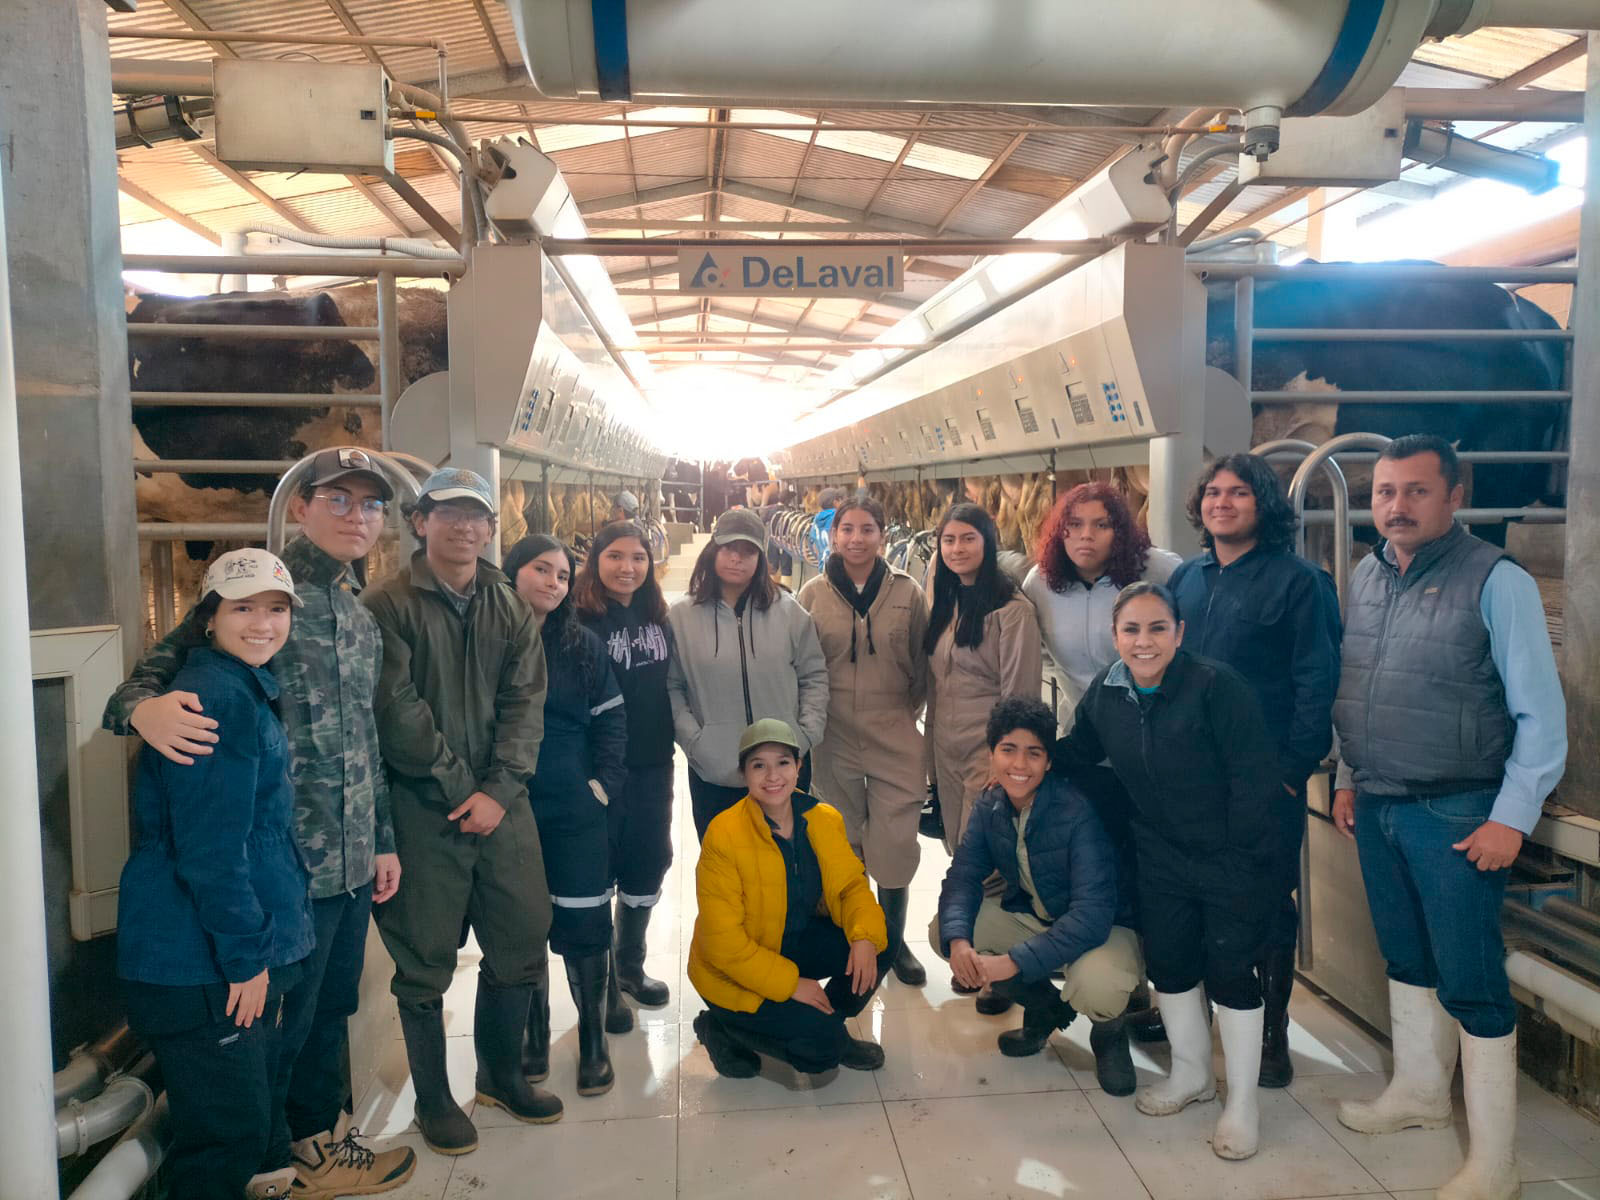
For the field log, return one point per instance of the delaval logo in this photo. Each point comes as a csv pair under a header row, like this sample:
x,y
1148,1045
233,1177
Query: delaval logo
x,y
782,272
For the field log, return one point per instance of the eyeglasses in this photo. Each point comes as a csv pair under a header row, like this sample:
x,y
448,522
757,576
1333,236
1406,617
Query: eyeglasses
x,y
341,504
458,516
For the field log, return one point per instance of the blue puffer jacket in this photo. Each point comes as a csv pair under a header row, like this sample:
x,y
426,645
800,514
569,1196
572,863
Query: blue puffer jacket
x,y
1074,869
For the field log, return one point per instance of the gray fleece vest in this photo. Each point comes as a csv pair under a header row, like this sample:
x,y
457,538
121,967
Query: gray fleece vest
x,y
1421,708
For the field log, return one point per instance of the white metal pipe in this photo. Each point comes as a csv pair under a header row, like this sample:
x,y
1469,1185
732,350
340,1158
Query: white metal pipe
x,y
414,247
27,1087
1532,14
1561,988
129,1164
82,1124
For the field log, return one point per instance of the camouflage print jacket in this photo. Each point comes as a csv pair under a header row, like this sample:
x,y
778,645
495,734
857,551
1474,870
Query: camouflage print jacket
x,y
328,671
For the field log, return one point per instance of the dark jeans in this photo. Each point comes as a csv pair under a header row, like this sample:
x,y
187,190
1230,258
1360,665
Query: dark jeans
x,y
316,1010
1437,915
709,799
640,823
806,1038
225,1084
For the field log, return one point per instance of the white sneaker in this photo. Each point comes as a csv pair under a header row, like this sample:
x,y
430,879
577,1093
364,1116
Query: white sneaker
x,y
1426,1039
1489,1073
1191,1078
1238,1131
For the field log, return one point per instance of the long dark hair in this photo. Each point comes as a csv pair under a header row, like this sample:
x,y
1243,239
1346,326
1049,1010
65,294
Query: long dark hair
x,y
706,588
991,590
1275,521
1130,544
589,594
561,633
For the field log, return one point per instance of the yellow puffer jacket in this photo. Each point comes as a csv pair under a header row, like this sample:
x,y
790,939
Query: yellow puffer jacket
x,y
743,892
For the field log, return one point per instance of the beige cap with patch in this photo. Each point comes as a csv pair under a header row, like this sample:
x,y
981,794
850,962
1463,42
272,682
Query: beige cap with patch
x,y
241,573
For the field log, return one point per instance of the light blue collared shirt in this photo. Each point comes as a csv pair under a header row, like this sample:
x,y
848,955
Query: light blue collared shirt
x,y
1519,643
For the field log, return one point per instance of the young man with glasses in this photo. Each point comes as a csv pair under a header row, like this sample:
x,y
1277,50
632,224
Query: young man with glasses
x,y
328,674
460,721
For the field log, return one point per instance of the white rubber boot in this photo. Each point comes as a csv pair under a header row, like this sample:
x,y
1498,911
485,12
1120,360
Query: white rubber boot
x,y
1191,1079
1426,1039
1238,1130
1489,1076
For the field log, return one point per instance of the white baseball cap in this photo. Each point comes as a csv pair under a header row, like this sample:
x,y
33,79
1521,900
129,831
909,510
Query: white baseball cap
x,y
241,573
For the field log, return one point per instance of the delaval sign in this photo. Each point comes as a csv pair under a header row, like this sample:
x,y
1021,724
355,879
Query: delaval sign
x,y
782,271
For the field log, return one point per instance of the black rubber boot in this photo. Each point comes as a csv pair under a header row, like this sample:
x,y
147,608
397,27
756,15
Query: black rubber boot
x,y
536,1046
445,1128
1113,1060
632,925
906,968
861,1055
499,1024
992,1001
1043,1012
1146,1026
587,978
1277,982
728,1057
619,1017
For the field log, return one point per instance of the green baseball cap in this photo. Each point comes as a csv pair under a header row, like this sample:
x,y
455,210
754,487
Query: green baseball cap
x,y
768,730
740,525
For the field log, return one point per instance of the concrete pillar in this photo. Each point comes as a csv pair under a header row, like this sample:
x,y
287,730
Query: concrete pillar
x,y
1175,460
74,417
1581,650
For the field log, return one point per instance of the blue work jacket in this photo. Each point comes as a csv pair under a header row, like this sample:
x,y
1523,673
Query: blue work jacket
x,y
216,888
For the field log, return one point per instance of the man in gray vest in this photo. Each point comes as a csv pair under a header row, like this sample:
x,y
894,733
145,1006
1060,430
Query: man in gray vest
x,y
1452,731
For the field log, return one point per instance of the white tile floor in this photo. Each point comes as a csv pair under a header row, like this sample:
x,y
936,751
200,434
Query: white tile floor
x,y
947,1118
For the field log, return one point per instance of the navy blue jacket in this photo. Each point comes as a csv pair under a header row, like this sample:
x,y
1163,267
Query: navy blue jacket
x,y
640,650
216,888
1199,767
1073,864
585,725
1274,618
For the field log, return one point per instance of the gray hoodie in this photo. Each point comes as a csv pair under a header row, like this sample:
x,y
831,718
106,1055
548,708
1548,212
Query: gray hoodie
x,y
730,671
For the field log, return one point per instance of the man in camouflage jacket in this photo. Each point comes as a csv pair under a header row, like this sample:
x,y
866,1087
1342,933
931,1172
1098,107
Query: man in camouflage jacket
x,y
328,672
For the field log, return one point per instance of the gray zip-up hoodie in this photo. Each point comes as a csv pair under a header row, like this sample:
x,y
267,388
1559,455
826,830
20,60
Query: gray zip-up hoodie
x,y
731,670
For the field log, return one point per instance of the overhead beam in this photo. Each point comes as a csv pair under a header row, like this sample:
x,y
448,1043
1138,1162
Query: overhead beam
x,y
1196,228
435,219
251,188
377,202
1492,104
488,32
1571,52
998,161
156,204
656,195
823,208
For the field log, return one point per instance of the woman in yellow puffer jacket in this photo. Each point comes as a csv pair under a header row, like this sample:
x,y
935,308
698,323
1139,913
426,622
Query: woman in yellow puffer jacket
x,y
789,942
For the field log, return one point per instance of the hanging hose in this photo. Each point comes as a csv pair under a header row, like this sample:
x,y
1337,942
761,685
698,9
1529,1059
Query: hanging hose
x,y
471,200
1190,170
411,246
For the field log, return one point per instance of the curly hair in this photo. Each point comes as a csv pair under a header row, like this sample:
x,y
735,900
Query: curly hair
x,y
1130,544
1275,520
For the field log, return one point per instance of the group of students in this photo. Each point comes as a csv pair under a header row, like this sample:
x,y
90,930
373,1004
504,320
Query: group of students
x,y
508,737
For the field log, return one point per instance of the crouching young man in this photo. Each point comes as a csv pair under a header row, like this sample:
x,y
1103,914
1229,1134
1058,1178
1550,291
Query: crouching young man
x,y
1061,910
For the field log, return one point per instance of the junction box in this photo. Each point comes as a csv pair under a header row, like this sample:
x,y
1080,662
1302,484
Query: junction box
x,y
284,115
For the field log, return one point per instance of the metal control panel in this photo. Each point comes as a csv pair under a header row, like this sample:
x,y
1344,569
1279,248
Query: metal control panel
x,y
1095,357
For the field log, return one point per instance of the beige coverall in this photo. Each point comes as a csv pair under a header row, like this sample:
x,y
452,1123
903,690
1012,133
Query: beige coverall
x,y
870,764
965,684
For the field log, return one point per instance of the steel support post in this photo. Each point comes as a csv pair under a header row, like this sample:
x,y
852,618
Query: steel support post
x,y
27,1088
390,380
1581,644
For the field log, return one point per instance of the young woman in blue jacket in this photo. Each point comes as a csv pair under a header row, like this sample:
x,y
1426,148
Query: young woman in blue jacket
x,y
214,906
581,766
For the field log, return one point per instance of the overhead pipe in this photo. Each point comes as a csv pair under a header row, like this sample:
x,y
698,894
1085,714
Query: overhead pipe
x,y
413,247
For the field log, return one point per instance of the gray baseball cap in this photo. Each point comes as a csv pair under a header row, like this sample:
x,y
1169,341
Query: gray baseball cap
x,y
740,525
627,502
457,483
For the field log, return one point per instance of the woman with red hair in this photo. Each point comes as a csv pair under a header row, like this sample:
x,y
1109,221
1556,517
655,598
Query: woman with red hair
x,y
1090,547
